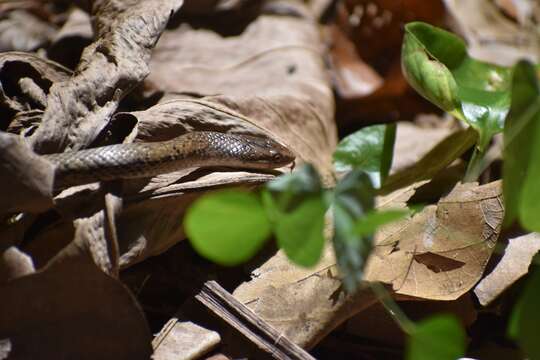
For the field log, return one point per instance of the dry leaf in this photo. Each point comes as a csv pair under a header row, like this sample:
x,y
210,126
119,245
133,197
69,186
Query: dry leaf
x,y
22,31
441,252
27,179
413,142
515,263
183,341
304,304
491,36
72,310
14,263
78,109
289,99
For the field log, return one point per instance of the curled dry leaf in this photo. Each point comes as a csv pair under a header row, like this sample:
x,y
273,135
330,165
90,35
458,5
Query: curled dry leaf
x,y
267,81
75,307
17,66
78,109
441,252
515,263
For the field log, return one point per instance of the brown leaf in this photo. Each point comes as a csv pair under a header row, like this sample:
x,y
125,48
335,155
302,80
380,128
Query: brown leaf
x,y
183,340
15,66
14,263
268,75
441,252
491,36
353,78
79,108
304,304
72,310
515,263
26,178
69,42
22,31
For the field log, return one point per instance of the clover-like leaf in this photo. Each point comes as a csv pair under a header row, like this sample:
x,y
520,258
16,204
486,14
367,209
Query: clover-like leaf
x,y
227,227
369,149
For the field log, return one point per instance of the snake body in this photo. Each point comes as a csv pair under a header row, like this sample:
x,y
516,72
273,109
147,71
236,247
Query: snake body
x,y
196,149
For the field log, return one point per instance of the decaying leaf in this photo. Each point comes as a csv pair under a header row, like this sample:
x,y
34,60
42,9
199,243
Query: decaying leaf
x,y
289,99
441,252
183,340
515,263
75,307
79,108
304,304
27,178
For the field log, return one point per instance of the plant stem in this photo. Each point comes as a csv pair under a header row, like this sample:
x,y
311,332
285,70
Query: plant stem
x,y
393,308
475,167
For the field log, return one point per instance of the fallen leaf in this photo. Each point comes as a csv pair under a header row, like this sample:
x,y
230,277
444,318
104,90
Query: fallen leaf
x,y
441,252
514,264
183,340
491,35
27,178
72,310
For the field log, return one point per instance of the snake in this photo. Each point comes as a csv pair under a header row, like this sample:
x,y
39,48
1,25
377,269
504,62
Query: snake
x,y
146,159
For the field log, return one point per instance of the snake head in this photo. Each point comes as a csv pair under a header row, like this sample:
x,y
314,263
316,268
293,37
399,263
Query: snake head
x,y
265,153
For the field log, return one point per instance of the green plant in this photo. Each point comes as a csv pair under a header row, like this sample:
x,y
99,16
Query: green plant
x,y
229,226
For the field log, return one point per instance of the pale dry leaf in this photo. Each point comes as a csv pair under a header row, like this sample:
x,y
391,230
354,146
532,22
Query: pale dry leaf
x,y
183,341
491,36
514,264
441,252
413,142
14,263
304,304
23,31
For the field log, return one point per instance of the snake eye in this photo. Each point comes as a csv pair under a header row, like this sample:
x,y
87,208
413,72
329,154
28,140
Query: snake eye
x,y
276,156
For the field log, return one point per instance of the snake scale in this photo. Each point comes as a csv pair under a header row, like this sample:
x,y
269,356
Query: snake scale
x,y
196,149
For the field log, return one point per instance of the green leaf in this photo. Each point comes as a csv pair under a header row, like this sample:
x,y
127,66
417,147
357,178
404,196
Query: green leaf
x,y
353,198
373,220
296,205
227,227
529,318
428,54
437,159
521,166
440,337
368,149
436,64
300,233
291,189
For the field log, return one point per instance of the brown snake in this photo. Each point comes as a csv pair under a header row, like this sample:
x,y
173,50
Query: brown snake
x,y
196,149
